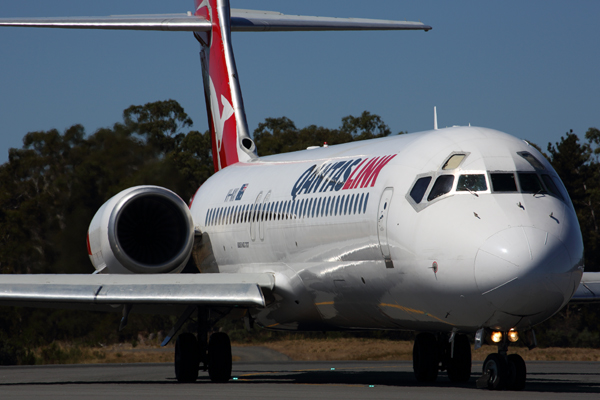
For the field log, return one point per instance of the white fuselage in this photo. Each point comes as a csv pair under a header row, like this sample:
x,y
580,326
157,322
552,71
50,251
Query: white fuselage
x,y
352,249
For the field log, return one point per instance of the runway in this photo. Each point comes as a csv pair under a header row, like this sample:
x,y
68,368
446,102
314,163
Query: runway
x,y
286,379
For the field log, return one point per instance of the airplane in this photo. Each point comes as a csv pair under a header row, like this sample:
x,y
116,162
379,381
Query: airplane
x,y
447,232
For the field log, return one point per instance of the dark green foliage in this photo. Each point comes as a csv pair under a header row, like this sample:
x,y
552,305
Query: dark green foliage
x,y
575,325
577,165
53,186
280,135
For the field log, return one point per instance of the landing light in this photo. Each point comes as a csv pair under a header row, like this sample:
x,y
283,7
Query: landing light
x,y
496,337
513,335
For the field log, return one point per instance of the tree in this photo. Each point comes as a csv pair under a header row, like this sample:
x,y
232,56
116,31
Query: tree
x,y
53,186
367,126
580,174
280,135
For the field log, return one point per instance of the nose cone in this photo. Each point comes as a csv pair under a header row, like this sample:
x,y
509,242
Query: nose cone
x,y
525,271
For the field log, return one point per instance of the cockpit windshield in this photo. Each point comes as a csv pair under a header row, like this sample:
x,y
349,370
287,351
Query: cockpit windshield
x,y
530,183
552,186
503,182
442,185
447,183
419,189
471,183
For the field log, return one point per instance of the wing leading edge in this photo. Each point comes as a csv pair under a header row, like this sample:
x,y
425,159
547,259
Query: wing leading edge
x,y
589,289
223,290
241,21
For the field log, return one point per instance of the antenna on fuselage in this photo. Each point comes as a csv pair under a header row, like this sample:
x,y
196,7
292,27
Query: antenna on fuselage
x,y
434,118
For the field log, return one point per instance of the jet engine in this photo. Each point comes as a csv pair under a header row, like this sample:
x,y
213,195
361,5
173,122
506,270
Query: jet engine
x,y
141,230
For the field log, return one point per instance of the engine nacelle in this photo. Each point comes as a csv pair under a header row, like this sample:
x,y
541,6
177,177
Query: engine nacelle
x,y
141,230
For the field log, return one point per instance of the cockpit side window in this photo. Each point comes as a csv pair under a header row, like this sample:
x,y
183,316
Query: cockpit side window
x,y
503,182
419,189
472,183
552,188
530,183
442,185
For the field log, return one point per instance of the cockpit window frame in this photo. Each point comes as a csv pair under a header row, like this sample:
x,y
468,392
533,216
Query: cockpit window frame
x,y
522,181
472,173
494,190
417,193
562,194
440,183
423,203
532,160
447,159
434,175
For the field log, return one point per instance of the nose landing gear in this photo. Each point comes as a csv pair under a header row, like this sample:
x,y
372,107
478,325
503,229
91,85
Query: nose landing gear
x,y
433,353
502,371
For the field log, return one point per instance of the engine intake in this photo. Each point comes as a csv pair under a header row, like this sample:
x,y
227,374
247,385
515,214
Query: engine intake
x,y
144,229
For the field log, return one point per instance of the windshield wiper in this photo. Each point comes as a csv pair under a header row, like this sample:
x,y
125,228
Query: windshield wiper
x,y
472,192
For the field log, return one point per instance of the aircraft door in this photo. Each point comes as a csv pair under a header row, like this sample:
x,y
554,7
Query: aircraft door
x,y
264,216
382,231
255,214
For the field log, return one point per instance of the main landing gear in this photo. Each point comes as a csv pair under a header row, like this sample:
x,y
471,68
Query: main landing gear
x,y
432,354
194,353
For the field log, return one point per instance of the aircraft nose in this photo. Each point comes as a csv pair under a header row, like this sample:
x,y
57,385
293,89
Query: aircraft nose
x,y
524,271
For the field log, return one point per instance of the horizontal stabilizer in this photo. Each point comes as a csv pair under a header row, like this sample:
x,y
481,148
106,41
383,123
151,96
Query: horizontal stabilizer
x,y
227,290
164,22
249,20
589,289
241,20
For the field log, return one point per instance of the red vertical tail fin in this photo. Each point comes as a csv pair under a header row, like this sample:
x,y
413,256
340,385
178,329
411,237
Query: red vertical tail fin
x,y
231,141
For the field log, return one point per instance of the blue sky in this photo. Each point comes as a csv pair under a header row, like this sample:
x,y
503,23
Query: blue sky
x,y
528,68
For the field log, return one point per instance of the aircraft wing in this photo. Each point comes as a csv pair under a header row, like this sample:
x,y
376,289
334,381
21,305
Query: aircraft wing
x,y
82,291
589,289
241,20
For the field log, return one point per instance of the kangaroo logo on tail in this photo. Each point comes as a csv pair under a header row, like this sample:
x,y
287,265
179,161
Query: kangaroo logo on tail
x,y
219,120
231,142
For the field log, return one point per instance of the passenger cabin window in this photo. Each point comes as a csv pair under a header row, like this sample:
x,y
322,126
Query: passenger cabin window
x,y
504,182
530,183
419,189
531,160
471,183
442,185
454,161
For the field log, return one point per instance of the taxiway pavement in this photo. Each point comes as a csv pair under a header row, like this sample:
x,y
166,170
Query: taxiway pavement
x,y
287,379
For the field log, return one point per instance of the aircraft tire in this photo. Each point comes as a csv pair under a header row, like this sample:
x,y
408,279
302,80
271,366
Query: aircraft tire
x,y
459,367
219,357
187,358
517,372
425,357
497,366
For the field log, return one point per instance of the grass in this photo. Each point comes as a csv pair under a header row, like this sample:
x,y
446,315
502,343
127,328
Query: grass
x,y
381,350
296,349
68,353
